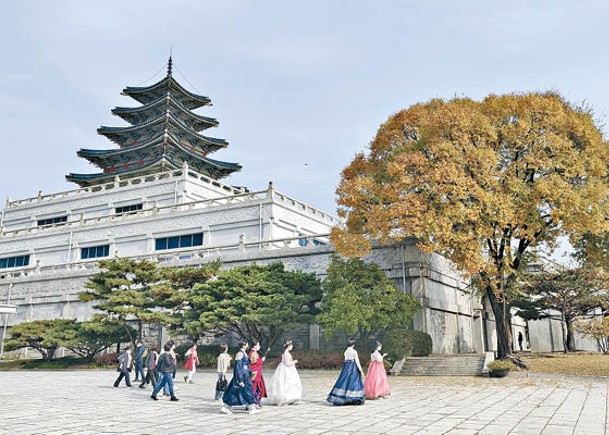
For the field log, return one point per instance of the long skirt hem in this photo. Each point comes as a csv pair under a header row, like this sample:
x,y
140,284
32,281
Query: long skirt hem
x,y
349,388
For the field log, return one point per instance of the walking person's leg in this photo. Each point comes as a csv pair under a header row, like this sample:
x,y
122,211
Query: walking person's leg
x,y
173,396
218,393
119,379
146,380
158,387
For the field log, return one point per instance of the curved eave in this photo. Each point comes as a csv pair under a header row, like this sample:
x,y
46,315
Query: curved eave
x,y
201,146
105,158
114,133
213,168
142,94
198,122
224,165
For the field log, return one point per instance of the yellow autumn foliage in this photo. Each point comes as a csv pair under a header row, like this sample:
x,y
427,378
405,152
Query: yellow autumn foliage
x,y
478,181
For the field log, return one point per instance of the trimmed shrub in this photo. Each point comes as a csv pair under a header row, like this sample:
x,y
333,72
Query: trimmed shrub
x,y
401,342
501,364
317,359
421,343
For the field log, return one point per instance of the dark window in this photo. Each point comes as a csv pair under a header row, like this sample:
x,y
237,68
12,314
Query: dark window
x,y
305,242
20,261
197,239
128,208
95,252
175,242
60,220
185,241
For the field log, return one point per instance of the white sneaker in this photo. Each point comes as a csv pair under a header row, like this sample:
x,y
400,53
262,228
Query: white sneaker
x,y
226,410
254,411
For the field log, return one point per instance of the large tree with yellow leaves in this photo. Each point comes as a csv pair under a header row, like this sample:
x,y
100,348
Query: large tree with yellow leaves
x,y
482,183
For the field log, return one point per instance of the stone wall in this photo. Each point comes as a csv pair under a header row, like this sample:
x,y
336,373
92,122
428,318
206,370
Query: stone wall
x,y
446,314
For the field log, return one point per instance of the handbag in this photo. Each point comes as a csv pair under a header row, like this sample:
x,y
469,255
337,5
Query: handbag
x,y
221,384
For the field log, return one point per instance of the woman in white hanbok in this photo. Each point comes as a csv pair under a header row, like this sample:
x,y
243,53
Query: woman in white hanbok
x,y
285,387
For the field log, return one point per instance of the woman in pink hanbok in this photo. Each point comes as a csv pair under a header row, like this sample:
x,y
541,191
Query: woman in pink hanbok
x,y
376,384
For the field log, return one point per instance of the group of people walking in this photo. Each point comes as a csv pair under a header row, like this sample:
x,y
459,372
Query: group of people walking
x,y
161,368
247,387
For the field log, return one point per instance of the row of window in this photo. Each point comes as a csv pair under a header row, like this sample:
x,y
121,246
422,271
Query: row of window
x,y
53,221
163,243
95,252
59,220
305,242
22,260
128,208
176,242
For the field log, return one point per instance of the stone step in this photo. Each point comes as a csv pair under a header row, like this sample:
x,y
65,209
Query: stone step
x,y
451,365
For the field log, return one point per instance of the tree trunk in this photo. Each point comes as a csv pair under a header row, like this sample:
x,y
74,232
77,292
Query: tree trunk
x,y
570,337
501,311
563,329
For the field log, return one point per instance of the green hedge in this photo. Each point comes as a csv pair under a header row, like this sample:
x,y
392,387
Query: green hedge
x,y
402,342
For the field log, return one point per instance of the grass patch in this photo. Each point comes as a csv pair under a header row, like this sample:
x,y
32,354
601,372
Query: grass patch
x,y
576,363
68,362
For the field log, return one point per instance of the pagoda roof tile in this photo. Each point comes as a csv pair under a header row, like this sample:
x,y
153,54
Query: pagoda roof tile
x,y
199,122
108,158
215,168
150,93
114,133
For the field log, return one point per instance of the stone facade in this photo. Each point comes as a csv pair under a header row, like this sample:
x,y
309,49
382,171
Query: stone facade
x,y
238,227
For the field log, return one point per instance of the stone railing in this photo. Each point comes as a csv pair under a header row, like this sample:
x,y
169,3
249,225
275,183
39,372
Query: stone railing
x,y
304,208
240,196
177,257
149,211
119,182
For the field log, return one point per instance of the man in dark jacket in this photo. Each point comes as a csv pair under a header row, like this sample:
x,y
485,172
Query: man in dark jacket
x,y
166,366
139,360
151,373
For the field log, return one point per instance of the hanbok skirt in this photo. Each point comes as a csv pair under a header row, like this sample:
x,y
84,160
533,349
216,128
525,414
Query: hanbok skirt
x,y
235,395
258,387
349,388
376,384
285,386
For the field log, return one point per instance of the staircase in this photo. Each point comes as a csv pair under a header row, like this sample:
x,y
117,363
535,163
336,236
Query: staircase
x,y
441,365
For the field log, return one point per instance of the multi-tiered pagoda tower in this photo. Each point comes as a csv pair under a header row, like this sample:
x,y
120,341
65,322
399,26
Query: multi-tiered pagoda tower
x,y
164,133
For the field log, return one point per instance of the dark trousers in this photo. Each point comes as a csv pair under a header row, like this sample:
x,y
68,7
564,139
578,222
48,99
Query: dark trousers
x,y
151,378
124,374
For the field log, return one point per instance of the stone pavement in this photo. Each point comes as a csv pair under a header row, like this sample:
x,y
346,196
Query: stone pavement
x,y
84,402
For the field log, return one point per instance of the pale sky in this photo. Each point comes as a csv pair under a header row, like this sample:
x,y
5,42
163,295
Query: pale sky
x,y
298,87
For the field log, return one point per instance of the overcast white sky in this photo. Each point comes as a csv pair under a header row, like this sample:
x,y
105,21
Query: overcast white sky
x,y
298,87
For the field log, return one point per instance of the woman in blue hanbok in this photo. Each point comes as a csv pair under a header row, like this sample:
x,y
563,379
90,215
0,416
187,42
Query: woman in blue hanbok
x,y
239,390
349,387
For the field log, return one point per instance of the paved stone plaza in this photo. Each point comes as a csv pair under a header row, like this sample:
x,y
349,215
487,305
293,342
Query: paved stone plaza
x,y
84,402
